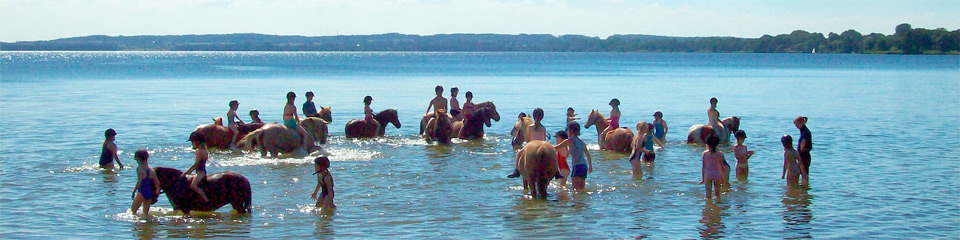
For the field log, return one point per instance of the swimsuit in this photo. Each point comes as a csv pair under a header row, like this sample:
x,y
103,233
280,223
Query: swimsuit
x,y
805,153
648,145
201,163
658,129
146,187
614,122
368,115
309,109
105,156
740,151
455,106
562,162
711,171
468,110
290,123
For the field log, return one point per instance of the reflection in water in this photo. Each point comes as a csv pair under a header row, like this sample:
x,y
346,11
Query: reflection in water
x,y
145,230
712,224
796,214
324,225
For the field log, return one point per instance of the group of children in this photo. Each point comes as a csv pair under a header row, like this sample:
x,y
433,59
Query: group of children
x,y
458,113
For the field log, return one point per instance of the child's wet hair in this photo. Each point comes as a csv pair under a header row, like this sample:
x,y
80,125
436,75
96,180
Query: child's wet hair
x,y
309,94
573,127
522,115
649,127
800,119
615,102
322,162
712,141
713,100
537,114
110,133
197,137
291,95
367,100
254,112
642,125
438,89
141,155
469,94
562,134
740,134
453,90
570,109
787,141
233,103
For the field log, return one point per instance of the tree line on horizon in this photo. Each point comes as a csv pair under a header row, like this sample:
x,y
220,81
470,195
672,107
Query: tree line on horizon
x,y
905,40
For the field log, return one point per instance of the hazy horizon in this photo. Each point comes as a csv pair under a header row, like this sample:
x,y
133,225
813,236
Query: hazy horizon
x,y
741,18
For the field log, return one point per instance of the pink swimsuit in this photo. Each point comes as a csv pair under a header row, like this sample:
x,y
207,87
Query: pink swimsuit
x,y
614,122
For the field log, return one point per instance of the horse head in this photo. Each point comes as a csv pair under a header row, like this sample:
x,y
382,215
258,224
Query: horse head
x,y
731,123
594,118
167,177
218,121
387,116
492,111
325,114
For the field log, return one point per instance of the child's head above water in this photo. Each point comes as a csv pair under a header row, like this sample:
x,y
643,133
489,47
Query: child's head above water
x,y
291,96
573,129
234,104
141,155
321,163
537,114
469,95
197,139
642,127
309,95
614,102
454,91
740,134
438,89
110,133
254,112
561,135
367,100
658,115
787,141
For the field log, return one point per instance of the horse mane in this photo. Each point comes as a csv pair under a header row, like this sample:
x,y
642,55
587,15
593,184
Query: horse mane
x,y
486,104
164,174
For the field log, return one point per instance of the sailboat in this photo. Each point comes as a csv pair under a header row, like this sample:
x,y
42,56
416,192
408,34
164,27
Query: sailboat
x,y
814,50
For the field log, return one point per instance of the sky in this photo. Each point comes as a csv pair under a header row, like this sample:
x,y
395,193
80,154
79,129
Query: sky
x,y
25,20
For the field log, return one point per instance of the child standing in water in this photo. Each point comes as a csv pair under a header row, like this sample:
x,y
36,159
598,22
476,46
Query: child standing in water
x,y
792,165
562,154
804,145
571,115
148,186
233,122
660,127
255,116
614,119
199,143
108,152
321,168
742,154
580,157
643,148
712,168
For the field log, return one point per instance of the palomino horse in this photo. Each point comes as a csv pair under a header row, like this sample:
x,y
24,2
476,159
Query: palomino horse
x,y
730,125
357,128
615,140
519,132
221,188
439,128
472,128
316,127
276,138
538,165
219,136
325,114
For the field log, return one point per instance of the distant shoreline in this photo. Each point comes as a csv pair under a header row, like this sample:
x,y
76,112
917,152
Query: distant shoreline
x,y
906,40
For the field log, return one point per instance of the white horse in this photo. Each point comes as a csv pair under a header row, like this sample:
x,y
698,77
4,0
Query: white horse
x,y
730,125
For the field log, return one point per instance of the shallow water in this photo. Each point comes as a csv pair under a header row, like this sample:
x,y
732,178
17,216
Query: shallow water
x,y
884,159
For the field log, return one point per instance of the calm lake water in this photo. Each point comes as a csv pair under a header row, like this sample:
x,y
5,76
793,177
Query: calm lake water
x,y
885,130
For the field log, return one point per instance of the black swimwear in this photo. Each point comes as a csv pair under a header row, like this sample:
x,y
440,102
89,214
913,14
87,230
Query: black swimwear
x,y
105,156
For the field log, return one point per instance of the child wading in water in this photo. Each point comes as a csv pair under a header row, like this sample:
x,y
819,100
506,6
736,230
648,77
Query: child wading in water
x,y
233,122
742,154
321,168
109,150
793,166
200,166
148,186
660,127
580,157
643,148
571,115
562,154
712,168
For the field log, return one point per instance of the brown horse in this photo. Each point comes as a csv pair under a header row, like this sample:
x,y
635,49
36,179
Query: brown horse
x,y
439,128
617,140
730,125
538,165
221,188
357,128
219,136
315,126
276,138
472,128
